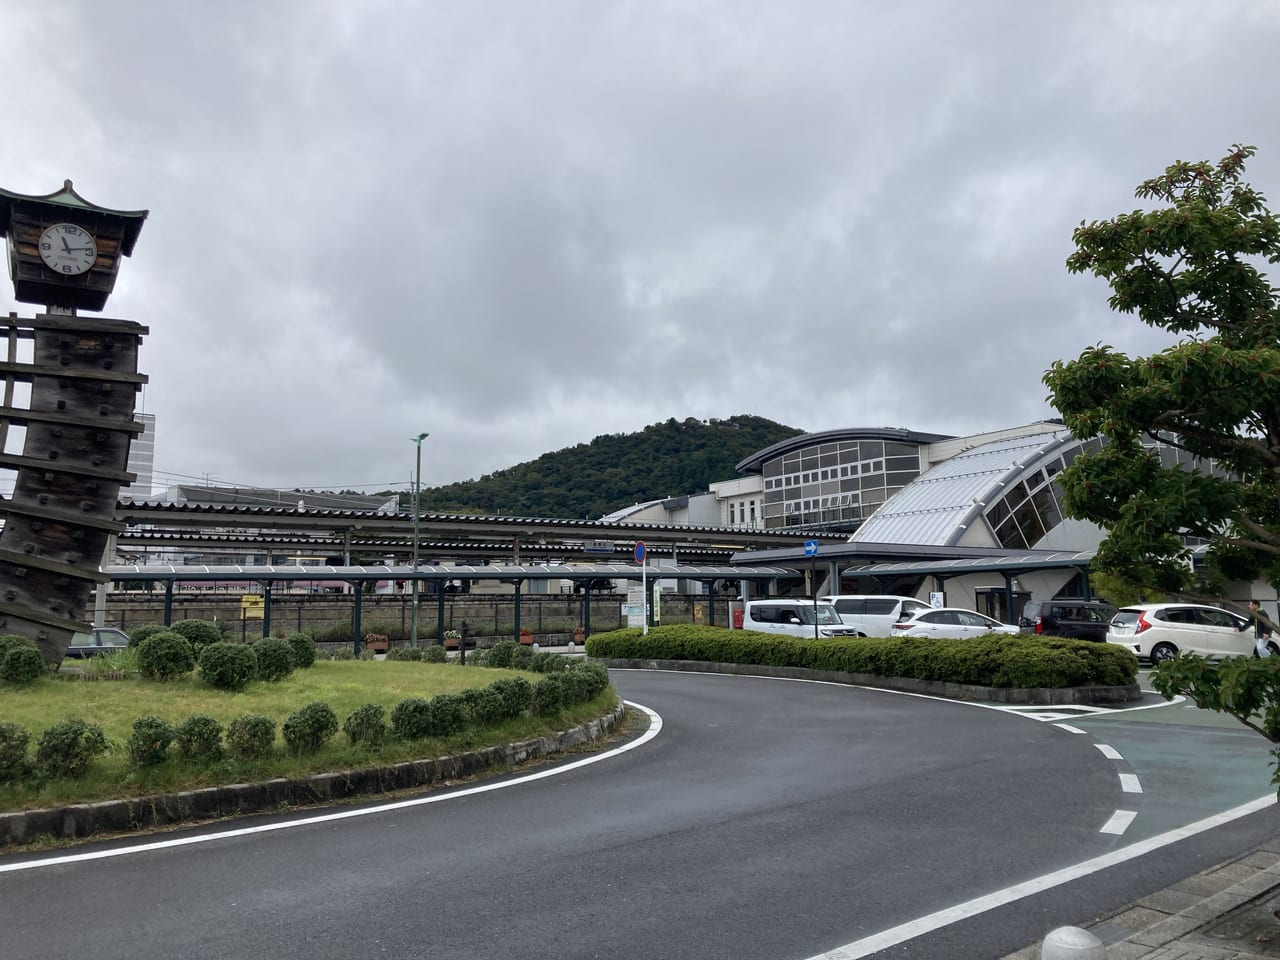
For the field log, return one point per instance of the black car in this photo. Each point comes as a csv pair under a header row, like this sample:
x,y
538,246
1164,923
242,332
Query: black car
x,y
1073,619
97,641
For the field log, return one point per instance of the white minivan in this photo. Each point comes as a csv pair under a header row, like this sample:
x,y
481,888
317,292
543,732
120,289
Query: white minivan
x,y
798,617
873,615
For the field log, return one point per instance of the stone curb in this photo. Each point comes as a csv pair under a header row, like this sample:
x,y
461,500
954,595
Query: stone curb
x,y
1158,927
136,813
1028,696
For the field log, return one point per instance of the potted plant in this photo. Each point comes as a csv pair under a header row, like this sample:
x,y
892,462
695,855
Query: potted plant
x,y
579,633
377,642
526,636
451,639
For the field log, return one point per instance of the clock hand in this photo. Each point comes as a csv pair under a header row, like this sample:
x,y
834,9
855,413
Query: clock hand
x,y
64,245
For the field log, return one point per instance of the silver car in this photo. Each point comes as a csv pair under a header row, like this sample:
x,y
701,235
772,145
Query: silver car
x,y
953,623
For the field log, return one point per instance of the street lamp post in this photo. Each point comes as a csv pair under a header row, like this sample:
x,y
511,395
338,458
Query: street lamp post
x,y
417,492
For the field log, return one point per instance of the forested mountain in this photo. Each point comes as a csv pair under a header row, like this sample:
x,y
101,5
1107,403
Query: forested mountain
x,y
614,471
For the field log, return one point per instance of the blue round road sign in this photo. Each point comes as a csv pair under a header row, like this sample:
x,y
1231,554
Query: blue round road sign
x,y
639,551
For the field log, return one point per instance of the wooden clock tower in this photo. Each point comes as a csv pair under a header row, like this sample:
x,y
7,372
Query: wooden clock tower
x,y
64,253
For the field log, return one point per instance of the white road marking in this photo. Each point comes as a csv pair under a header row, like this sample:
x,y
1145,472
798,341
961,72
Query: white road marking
x,y
1108,751
655,727
1119,822
1129,783
1068,727
972,908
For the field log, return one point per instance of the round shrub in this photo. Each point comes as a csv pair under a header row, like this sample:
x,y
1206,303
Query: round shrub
x,y
304,650
228,666
404,653
143,630
148,744
275,659
593,677
548,695
367,725
516,693
547,662
67,747
483,706
307,728
522,657
201,633
199,738
446,714
12,641
435,654
166,655
13,751
502,653
343,652
21,665
251,736
411,719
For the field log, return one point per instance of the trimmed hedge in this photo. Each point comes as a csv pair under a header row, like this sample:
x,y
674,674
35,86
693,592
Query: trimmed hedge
x,y
201,633
166,655
275,659
251,736
993,660
228,666
67,748
21,665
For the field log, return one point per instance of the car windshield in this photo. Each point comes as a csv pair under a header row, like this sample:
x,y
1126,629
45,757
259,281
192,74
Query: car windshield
x,y
823,613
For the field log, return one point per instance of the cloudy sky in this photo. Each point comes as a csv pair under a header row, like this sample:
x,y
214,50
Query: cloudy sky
x,y
518,225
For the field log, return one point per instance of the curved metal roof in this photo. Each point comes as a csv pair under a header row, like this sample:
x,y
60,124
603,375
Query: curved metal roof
x,y
756,461
938,506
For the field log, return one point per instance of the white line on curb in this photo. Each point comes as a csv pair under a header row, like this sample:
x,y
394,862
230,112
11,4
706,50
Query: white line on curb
x,y
655,727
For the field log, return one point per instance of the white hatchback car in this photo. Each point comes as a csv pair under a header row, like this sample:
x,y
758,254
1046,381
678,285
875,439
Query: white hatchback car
x,y
1159,631
953,623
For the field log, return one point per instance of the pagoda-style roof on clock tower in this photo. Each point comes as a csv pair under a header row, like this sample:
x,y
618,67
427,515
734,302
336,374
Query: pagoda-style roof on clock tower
x,y
129,220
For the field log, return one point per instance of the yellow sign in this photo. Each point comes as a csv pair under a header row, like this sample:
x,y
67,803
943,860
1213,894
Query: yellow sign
x,y
251,606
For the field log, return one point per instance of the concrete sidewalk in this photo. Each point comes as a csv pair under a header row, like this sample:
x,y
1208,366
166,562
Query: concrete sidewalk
x,y
1228,912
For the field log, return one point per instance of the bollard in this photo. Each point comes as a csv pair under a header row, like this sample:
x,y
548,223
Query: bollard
x,y
1072,943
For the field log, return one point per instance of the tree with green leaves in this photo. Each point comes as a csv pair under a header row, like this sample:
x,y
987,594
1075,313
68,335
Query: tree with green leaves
x,y
1194,266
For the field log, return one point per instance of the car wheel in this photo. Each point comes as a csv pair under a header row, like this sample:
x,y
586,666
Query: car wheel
x,y
1162,652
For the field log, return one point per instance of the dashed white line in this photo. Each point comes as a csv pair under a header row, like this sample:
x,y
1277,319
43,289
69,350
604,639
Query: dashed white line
x,y
1119,822
1129,783
1108,751
1068,727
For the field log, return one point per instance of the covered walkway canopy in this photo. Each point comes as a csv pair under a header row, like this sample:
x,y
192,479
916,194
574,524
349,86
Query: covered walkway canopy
x,y
514,574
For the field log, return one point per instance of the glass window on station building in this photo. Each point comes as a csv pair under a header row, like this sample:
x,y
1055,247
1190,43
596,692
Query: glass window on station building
x,y
836,485
1033,505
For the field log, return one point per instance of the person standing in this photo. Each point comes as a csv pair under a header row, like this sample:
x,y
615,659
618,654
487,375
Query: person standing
x,y
1261,632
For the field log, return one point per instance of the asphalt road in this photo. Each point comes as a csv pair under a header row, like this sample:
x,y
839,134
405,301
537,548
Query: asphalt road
x,y
767,819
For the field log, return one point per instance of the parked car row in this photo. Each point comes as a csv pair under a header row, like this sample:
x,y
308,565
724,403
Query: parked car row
x,y
1153,631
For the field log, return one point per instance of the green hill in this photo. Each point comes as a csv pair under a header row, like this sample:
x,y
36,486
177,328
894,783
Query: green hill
x,y
614,471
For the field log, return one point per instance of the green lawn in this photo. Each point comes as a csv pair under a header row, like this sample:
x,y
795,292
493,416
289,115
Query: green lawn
x,y
343,684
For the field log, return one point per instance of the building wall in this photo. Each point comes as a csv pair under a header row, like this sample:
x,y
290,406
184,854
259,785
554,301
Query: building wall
x,y
142,459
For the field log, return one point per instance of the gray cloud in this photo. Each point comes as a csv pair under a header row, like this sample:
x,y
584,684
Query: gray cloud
x,y
519,226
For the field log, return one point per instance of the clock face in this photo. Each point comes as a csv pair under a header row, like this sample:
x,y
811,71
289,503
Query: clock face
x,y
68,249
